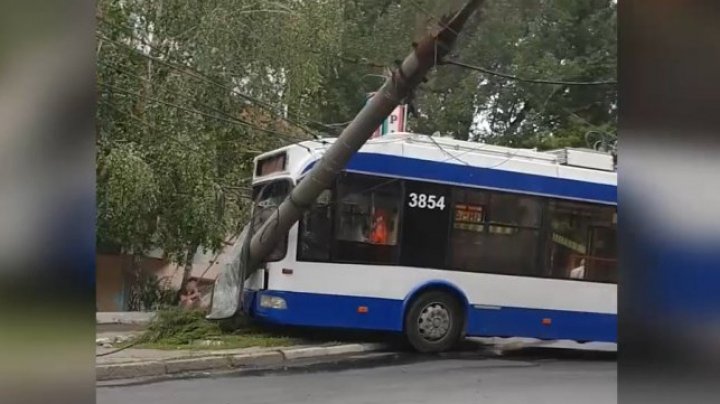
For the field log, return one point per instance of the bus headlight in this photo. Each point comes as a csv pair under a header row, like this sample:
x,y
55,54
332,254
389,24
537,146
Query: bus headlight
x,y
273,302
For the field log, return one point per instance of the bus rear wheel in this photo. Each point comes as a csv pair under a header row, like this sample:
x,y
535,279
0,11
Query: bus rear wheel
x,y
434,322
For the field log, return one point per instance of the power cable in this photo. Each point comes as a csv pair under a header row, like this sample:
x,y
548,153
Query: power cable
x,y
507,76
440,21
197,74
527,80
232,120
454,157
149,125
222,113
451,157
190,72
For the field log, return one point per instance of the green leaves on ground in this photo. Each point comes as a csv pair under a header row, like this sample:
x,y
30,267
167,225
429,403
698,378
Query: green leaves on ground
x,y
176,328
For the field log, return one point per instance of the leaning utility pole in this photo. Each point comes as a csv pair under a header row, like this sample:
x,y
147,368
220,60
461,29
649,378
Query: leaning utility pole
x,y
426,54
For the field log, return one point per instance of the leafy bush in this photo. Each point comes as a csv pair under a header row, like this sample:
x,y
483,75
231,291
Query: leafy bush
x,y
176,326
155,294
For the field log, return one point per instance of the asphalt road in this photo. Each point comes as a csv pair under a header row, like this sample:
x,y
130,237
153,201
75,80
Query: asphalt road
x,y
553,377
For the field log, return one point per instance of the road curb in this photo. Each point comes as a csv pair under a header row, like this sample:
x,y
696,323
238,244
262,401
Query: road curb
x,y
129,370
107,372
124,317
176,366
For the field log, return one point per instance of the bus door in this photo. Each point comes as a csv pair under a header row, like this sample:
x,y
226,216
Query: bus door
x,y
425,225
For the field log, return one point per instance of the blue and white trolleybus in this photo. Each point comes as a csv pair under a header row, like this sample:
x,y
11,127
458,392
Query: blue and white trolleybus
x,y
438,238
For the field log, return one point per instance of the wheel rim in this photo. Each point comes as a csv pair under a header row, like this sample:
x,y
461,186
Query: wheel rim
x,y
434,322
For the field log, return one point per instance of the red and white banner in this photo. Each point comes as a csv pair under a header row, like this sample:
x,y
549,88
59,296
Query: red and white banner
x,y
395,122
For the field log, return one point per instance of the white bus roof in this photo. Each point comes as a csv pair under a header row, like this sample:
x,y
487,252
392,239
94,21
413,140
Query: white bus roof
x,y
416,156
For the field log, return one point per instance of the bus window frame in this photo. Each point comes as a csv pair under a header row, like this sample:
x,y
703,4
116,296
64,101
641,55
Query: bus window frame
x,y
396,248
541,271
286,240
547,270
301,230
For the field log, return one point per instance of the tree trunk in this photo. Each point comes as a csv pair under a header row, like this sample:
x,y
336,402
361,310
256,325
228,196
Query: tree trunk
x,y
134,295
188,266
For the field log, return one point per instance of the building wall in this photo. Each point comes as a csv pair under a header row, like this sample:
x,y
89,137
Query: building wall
x,y
112,280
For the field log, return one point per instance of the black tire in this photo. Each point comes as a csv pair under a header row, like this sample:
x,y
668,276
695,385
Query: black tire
x,y
434,305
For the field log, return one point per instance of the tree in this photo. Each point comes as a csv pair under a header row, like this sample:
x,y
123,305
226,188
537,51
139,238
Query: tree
x,y
190,92
176,130
563,40
566,40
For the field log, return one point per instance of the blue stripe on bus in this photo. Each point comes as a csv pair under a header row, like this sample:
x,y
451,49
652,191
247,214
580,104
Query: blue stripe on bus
x,y
333,311
248,301
396,166
522,322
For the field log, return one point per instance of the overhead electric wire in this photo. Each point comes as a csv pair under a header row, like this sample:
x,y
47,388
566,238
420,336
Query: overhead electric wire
x,y
504,75
231,120
440,21
148,124
199,75
177,141
457,158
191,73
528,80
214,180
451,157
219,111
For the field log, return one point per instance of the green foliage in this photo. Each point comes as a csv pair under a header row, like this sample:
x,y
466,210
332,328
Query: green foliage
x,y
179,327
175,328
127,188
154,294
566,40
552,39
173,177
169,177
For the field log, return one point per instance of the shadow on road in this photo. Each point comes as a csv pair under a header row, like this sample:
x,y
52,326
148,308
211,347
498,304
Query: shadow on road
x,y
539,353
319,335
468,349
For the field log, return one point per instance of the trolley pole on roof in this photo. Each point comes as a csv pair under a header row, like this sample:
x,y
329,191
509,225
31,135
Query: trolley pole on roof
x,y
427,53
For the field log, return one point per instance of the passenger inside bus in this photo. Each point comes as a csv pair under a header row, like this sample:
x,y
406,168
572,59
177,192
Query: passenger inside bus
x,y
578,272
379,231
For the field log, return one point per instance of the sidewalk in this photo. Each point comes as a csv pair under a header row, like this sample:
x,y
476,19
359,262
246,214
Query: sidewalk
x,y
135,363
123,317
132,363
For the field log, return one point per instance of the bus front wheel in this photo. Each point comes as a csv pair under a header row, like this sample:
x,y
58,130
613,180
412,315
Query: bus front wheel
x,y
434,322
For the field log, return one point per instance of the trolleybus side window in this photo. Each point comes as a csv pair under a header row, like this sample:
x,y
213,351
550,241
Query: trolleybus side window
x,y
514,210
467,238
316,230
581,244
267,198
513,224
495,232
367,224
602,260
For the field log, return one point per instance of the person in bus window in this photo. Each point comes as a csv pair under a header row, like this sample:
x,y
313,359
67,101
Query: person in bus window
x,y
379,231
579,272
